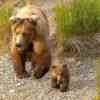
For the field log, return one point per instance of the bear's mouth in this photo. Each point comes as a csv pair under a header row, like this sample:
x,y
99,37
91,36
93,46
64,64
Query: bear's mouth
x,y
25,48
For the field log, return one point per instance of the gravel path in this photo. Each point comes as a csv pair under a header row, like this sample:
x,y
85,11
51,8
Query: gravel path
x,y
82,84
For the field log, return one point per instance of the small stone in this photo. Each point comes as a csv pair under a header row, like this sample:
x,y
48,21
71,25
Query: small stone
x,y
12,91
19,84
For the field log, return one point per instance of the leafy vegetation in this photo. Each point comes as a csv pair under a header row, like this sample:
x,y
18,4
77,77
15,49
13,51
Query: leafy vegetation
x,y
5,13
81,18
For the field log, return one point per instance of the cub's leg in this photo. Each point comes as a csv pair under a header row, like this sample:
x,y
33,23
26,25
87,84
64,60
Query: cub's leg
x,y
54,83
64,85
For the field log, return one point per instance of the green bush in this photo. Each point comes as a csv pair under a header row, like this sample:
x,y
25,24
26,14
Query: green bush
x,y
80,18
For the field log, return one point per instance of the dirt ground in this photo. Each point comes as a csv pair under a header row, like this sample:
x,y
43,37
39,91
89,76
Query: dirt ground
x,y
82,83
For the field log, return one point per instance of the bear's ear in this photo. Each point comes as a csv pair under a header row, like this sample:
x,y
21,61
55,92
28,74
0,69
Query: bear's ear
x,y
14,19
64,65
33,22
33,19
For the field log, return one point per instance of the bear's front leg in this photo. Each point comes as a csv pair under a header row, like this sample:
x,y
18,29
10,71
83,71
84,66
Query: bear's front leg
x,y
41,58
18,60
41,63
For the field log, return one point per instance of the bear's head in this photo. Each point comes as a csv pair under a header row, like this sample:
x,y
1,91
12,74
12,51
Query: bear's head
x,y
23,31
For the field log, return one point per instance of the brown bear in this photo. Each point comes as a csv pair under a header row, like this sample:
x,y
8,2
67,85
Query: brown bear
x,y
60,76
30,41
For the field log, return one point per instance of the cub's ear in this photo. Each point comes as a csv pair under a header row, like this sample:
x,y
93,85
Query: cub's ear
x,y
65,65
14,19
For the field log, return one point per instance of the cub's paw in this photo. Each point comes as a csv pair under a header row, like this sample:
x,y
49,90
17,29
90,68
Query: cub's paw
x,y
63,88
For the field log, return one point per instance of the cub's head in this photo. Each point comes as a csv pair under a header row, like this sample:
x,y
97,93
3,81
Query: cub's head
x,y
59,69
24,31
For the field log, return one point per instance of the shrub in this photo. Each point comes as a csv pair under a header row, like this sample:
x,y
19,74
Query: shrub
x,y
5,13
81,18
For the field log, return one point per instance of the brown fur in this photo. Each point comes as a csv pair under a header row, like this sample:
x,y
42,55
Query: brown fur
x,y
60,76
30,26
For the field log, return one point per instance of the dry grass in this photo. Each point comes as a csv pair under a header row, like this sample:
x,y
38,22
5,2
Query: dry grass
x,y
5,13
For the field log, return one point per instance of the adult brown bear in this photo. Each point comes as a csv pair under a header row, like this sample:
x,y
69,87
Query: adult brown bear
x,y
30,32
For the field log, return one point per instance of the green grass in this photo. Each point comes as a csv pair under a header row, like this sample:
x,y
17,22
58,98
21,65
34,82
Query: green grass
x,y
96,98
5,13
81,18
98,78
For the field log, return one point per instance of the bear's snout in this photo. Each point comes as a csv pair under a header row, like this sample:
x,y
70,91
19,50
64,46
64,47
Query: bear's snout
x,y
18,45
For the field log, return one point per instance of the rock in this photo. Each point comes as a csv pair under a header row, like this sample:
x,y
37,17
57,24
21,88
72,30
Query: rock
x,y
11,91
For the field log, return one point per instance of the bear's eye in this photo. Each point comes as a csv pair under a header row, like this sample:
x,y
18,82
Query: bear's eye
x,y
27,34
17,33
30,33
24,34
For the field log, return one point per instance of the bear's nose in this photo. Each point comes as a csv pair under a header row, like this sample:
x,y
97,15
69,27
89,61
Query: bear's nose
x,y
18,45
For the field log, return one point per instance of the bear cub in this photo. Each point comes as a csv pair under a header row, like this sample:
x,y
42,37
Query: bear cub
x,y
60,77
